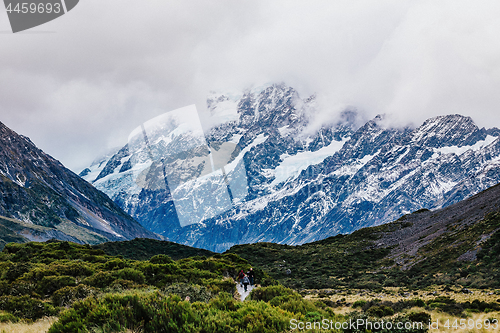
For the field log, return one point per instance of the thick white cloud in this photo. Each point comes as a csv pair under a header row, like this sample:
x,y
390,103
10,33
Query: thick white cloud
x,y
80,84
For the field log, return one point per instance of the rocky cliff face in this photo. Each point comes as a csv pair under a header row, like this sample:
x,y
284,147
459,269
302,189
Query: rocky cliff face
x,y
305,187
37,190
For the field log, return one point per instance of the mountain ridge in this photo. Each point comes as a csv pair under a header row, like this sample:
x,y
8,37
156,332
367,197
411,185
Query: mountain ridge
x,y
303,188
36,189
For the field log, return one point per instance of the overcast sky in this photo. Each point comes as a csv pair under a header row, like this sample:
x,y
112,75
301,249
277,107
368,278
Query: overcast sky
x,y
78,85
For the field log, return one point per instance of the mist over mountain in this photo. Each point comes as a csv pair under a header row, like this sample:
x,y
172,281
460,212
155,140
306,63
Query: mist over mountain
x,y
299,186
40,199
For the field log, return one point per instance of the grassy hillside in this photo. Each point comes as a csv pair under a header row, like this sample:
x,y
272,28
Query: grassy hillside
x,y
90,291
144,249
77,288
442,264
459,254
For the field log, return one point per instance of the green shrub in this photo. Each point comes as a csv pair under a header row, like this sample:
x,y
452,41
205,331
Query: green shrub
x,y
294,304
4,288
8,317
120,285
154,312
160,274
131,275
223,314
94,258
12,248
224,302
417,302
267,281
217,285
359,304
161,259
16,270
235,258
20,287
196,293
380,311
115,313
75,269
115,264
26,307
100,279
268,293
422,317
68,295
313,316
49,284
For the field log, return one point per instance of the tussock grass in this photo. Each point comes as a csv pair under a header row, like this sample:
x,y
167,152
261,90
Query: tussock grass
x,y
481,317
344,299
393,294
40,326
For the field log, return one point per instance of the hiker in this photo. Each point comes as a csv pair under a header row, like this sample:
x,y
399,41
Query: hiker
x,y
240,276
245,281
251,276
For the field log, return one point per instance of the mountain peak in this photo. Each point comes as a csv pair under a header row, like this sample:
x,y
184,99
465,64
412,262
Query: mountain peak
x,y
303,187
448,130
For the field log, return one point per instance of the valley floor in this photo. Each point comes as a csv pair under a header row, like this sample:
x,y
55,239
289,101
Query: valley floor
x,y
344,303
394,294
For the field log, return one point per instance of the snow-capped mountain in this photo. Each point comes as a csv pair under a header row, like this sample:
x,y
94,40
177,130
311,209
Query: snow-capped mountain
x,y
298,187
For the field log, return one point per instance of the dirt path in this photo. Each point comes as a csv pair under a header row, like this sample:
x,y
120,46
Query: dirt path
x,y
241,291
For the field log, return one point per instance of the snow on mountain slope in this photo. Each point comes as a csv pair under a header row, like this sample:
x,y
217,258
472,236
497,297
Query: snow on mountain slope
x,y
300,188
292,166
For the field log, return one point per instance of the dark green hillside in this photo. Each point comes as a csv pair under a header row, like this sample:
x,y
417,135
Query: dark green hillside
x,y
458,245
36,279
90,291
144,249
354,261
333,262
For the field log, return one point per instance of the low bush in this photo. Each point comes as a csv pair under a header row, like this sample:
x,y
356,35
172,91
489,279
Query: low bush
x,y
216,285
68,295
161,259
115,313
380,311
156,313
99,280
359,304
196,293
7,317
20,287
130,274
421,317
27,307
268,293
115,264
4,288
50,284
